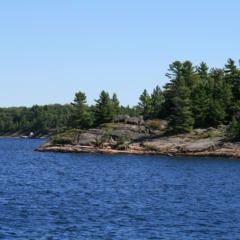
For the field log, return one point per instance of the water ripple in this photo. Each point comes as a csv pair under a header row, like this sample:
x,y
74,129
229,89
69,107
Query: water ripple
x,y
75,196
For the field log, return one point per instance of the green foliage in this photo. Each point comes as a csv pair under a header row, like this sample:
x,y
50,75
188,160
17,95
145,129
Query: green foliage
x,y
35,119
115,108
189,73
151,147
202,71
98,143
81,114
177,99
106,108
107,134
151,105
62,139
145,103
122,140
110,125
157,100
220,98
134,111
210,134
194,97
232,78
200,104
234,128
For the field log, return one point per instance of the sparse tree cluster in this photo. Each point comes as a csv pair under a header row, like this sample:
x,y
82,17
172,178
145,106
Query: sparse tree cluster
x,y
104,111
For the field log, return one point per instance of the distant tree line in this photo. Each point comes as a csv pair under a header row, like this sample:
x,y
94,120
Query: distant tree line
x,y
56,116
194,97
36,118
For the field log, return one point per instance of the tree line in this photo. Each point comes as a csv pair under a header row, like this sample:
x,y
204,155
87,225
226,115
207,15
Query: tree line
x,y
194,97
56,116
36,118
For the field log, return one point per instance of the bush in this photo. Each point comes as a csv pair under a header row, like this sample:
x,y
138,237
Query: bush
x,y
121,140
210,134
234,128
62,139
98,143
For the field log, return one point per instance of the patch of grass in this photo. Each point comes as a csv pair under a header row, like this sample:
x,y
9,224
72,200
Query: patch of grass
x,y
209,134
63,139
151,147
74,130
109,125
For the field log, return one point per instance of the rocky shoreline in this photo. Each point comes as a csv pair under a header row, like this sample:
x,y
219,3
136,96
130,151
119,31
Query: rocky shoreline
x,y
136,136
221,152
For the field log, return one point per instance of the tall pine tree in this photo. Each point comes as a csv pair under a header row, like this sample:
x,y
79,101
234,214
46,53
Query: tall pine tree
x,y
177,99
145,103
104,109
81,116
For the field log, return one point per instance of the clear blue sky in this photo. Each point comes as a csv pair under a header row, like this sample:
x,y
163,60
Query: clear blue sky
x,y
49,50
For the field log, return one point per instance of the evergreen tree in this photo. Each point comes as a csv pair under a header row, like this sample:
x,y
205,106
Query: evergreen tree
x,y
115,105
157,100
134,111
145,103
234,128
232,77
81,117
103,110
200,104
231,73
189,73
221,98
177,99
201,96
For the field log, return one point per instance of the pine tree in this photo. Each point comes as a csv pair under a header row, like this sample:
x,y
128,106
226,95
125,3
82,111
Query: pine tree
x,y
157,100
221,97
81,117
177,100
201,96
115,105
145,103
234,128
202,71
104,112
200,105
190,75
232,77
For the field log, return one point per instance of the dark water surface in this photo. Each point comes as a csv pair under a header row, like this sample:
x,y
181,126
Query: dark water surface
x,y
77,196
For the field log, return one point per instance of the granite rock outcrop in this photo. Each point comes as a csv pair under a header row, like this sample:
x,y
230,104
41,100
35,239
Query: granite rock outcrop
x,y
126,135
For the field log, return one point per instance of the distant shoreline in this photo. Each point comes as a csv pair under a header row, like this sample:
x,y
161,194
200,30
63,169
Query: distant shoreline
x,y
25,137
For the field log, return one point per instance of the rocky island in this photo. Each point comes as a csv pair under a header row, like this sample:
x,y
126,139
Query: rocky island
x,y
139,136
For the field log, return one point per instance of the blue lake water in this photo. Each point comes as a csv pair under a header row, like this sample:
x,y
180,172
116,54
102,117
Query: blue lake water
x,y
83,196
